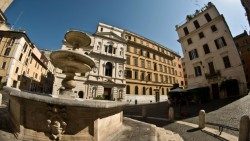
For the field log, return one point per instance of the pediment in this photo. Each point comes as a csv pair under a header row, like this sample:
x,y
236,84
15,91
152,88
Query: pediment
x,y
111,35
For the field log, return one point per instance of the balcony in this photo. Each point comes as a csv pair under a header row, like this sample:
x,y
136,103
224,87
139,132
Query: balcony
x,y
213,75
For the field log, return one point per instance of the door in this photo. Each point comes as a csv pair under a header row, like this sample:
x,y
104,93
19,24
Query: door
x,y
107,94
215,91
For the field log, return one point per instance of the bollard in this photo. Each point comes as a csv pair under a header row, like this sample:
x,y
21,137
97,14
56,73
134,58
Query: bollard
x,y
202,121
143,112
171,113
244,128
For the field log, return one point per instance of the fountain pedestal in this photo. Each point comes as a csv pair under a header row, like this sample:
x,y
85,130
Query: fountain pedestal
x,y
43,118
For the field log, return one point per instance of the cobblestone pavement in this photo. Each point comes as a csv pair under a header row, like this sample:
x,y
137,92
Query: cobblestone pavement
x,y
227,115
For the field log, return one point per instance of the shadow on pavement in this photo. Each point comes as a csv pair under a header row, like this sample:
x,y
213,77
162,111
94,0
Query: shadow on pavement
x,y
194,130
214,135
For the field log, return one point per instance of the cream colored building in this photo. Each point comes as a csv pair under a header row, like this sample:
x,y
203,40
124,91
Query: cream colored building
x,y
107,79
210,55
151,69
3,22
4,4
22,65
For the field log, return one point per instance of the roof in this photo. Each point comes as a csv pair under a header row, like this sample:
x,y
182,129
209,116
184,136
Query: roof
x,y
241,35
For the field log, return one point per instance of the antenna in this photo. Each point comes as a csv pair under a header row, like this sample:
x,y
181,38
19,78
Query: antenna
x,y
19,16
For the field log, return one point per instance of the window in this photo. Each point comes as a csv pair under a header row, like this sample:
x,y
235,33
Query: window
x,y
193,54
14,85
108,69
208,18
114,50
3,65
162,91
201,35
128,73
128,89
155,66
189,41
142,63
128,60
150,91
220,42
17,69
1,76
213,28
11,41
149,77
156,77
136,61
142,76
110,48
206,49
154,56
144,91
21,56
226,62
148,64
196,24
148,54
197,71
185,29
211,68
135,74
141,52
7,51
101,29
25,47
136,90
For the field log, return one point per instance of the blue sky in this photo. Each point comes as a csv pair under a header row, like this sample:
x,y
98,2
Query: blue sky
x,y
46,21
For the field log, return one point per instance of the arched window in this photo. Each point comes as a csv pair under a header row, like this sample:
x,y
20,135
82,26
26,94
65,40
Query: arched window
x,y
7,51
80,94
128,89
136,90
162,90
150,91
144,91
108,69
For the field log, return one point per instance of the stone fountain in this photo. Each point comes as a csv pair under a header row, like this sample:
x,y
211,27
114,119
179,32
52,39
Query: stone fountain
x,y
43,118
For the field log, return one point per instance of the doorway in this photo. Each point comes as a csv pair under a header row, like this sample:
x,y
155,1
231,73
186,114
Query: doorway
x,y
215,91
107,94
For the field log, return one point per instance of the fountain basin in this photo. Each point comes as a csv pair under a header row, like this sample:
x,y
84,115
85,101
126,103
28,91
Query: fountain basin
x,y
43,118
71,61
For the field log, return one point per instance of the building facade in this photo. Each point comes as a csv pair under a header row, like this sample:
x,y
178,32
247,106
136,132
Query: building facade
x,y
246,5
242,43
106,81
22,64
4,4
151,69
210,55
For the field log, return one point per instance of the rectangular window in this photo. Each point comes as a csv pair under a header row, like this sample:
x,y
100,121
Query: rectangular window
x,y
220,42
110,49
1,79
25,47
196,24
197,71
21,56
193,54
213,28
148,64
106,48
211,68
128,60
156,77
7,51
201,35
17,69
114,50
155,66
142,76
136,61
206,49
189,41
185,29
208,18
3,65
128,73
148,54
142,63
136,74
11,41
226,62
